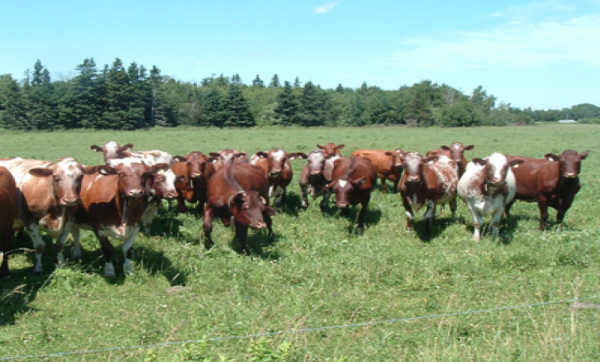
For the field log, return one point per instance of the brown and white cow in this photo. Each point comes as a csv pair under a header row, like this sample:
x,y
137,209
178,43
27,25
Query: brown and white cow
x,y
553,181
486,187
427,182
387,163
455,152
278,168
113,201
112,150
47,197
331,149
228,156
238,194
193,172
354,179
8,210
312,178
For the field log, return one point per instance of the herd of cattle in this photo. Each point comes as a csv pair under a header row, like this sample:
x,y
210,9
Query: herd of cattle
x,y
119,198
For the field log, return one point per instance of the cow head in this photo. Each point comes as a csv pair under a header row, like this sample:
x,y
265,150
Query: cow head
x,y
569,162
198,166
276,160
66,177
229,156
456,152
113,150
316,163
397,157
162,182
413,166
343,187
248,208
332,149
496,168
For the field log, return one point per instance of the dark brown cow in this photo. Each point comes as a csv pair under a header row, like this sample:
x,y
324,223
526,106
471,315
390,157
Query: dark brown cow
x,y
455,152
8,210
193,172
112,150
387,163
238,194
278,168
553,181
427,182
353,180
229,156
113,202
312,178
47,197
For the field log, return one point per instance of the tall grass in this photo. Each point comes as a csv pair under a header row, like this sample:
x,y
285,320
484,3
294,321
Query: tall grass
x,y
315,273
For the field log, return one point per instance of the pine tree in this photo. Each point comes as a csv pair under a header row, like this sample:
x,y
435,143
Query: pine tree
x,y
297,83
274,82
287,106
40,97
257,82
213,108
116,115
314,106
236,112
12,105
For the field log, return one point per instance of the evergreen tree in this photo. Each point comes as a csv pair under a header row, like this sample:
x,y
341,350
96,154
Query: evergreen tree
x,y
418,111
213,108
118,98
236,112
257,82
297,83
140,99
12,106
274,82
40,98
287,106
313,104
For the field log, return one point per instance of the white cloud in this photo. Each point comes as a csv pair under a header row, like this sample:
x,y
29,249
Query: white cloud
x,y
200,64
517,44
326,7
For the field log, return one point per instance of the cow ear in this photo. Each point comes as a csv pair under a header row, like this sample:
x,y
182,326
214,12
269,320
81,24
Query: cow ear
x,y
330,185
269,211
235,198
179,158
41,172
215,154
388,153
241,154
301,155
160,167
551,157
445,148
320,147
584,154
515,163
479,161
127,147
96,148
431,159
469,147
336,162
339,147
359,182
261,154
263,200
106,170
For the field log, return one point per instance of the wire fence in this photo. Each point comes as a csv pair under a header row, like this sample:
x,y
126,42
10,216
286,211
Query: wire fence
x,y
297,331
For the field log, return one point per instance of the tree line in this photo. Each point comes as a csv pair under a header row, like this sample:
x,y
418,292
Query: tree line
x,y
133,97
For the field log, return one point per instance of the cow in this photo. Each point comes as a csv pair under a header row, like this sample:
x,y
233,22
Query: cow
x,y
113,201
278,168
47,197
193,172
238,194
228,156
553,181
427,182
312,178
353,180
487,186
8,210
112,150
455,152
331,149
387,163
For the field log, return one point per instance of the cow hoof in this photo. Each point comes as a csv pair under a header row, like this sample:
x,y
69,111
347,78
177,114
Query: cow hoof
x,y
36,273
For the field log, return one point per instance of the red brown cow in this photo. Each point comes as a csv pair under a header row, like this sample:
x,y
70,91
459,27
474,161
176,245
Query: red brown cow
x,y
312,178
353,180
278,168
553,181
113,203
229,156
427,182
387,163
193,172
238,194
331,149
47,197
455,152
112,150
8,210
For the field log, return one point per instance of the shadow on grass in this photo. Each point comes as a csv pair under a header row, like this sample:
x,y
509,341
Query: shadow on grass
x,y
259,243
292,205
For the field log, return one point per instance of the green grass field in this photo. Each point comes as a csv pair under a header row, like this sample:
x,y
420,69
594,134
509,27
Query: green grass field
x,y
315,273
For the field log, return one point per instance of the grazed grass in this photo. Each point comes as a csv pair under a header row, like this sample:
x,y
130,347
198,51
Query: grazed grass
x,y
315,273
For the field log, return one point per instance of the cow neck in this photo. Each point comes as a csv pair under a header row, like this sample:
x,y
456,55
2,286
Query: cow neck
x,y
232,181
352,168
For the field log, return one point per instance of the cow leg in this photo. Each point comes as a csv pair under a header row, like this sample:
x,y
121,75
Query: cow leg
x,y
207,226
38,244
477,223
76,254
107,250
362,213
325,201
277,193
507,208
543,206
60,242
495,222
241,234
383,185
409,214
6,244
453,208
127,249
181,203
428,218
304,195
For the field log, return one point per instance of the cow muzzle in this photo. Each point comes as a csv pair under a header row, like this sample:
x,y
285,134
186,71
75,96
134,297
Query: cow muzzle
x,y
413,179
342,205
134,193
571,175
69,202
275,173
259,225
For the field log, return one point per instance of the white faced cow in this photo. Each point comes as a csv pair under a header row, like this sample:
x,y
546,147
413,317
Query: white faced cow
x,y
486,187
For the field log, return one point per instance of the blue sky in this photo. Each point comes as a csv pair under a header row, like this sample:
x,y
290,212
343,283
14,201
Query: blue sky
x,y
539,54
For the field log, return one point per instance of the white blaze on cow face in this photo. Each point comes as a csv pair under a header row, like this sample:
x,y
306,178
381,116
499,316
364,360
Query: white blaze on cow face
x,y
496,169
413,163
67,181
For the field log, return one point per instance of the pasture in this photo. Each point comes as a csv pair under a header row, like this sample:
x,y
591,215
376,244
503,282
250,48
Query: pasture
x,y
316,272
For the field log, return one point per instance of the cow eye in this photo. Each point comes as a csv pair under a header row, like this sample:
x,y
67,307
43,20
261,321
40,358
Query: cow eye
x,y
121,174
55,178
180,179
160,179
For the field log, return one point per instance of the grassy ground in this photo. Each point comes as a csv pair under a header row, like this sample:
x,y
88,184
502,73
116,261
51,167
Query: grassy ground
x,y
315,273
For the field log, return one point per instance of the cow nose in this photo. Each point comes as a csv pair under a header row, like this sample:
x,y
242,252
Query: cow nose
x,y
275,172
342,205
260,225
570,175
412,179
135,193
315,173
70,202
171,195
195,175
